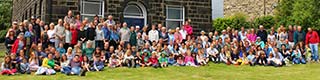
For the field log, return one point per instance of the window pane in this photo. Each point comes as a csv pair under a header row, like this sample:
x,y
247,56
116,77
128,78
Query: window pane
x,y
90,8
174,13
173,24
132,10
90,18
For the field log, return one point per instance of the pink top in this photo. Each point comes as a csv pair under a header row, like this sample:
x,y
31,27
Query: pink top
x,y
78,24
189,29
252,37
177,36
188,59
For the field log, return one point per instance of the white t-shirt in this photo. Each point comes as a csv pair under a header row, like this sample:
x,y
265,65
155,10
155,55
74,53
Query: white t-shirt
x,y
51,35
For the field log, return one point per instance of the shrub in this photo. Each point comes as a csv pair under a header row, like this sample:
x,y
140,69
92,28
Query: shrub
x,y
266,21
3,35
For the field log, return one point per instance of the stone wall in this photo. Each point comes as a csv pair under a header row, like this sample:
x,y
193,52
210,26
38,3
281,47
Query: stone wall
x,y
24,9
253,8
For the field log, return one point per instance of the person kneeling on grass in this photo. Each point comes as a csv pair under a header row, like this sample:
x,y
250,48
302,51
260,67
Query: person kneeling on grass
x,y
297,58
98,64
163,60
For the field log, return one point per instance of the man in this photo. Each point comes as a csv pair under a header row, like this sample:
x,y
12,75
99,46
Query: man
x,y
262,33
153,34
138,29
110,20
42,24
36,28
298,35
69,18
124,33
164,34
59,32
290,36
133,36
312,39
106,31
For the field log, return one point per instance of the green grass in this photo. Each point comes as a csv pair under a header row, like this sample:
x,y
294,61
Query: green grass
x,y
212,72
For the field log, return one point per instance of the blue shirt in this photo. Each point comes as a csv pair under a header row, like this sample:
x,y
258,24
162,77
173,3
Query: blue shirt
x,y
114,36
106,32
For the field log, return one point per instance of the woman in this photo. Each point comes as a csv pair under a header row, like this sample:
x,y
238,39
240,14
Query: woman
x,y
252,36
6,67
64,64
75,65
45,37
10,39
19,44
67,40
129,59
47,67
74,35
69,53
99,36
50,34
78,22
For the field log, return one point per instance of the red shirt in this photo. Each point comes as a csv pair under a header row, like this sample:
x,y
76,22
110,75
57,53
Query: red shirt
x,y
189,29
312,37
153,60
74,36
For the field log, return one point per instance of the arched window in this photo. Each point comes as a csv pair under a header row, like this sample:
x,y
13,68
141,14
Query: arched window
x,y
133,11
135,14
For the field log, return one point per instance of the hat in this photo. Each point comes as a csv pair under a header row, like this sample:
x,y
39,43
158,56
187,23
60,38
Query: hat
x,y
33,17
203,32
137,26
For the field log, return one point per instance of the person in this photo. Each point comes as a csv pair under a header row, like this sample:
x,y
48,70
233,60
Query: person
x,y
99,39
37,29
85,64
61,49
110,20
6,67
98,64
297,58
213,53
262,33
139,60
59,33
153,60
33,62
91,32
75,65
163,60
290,36
124,33
68,36
188,59
133,37
51,34
153,34
69,18
312,38
78,22
129,59
47,67
74,35
9,40
114,62
64,64
88,51
19,44
82,33
187,27
299,35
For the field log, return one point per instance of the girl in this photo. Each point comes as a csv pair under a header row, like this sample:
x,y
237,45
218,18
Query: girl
x,y
6,67
153,60
34,62
10,38
180,61
61,49
114,62
67,40
251,58
69,54
129,59
85,63
262,60
189,60
47,67
201,58
19,44
64,64
171,60
297,58
44,37
163,60
98,64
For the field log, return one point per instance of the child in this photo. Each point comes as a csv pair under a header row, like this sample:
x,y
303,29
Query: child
x,y
297,58
129,59
6,67
34,62
171,60
180,61
61,49
251,58
98,64
163,60
47,66
114,62
153,60
85,63
308,53
262,60
14,61
245,60
75,66
201,59
138,60
24,66
64,64
189,60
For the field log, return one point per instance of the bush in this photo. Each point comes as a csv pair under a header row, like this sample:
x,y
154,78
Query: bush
x,y
236,21
266,21
2,35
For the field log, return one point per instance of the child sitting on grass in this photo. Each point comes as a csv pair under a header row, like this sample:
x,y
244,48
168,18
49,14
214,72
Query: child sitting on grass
x,y
139,60
153,60
114,62
163,60
189,60
171,60
6,67
24,67
85,63
98,64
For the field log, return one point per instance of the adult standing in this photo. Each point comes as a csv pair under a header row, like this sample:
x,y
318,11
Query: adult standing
x,y
69,18
110,20
125,33
188,28
59,33
312,38
262,33
36,28
290,36
298,35
133,36
153,34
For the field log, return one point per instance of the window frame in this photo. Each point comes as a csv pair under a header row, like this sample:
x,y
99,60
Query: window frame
x,y
101,11
182,8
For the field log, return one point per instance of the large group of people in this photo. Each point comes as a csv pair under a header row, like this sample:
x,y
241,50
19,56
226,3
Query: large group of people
x,y
75,46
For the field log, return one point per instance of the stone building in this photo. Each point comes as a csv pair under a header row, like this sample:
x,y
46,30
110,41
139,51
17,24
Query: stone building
x,y
171,13
252,8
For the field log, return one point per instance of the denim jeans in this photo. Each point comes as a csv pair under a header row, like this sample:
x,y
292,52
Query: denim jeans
x,y
298,61
66,70
314,51
76,70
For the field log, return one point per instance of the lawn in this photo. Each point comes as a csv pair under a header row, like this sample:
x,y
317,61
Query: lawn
x,y
211,72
